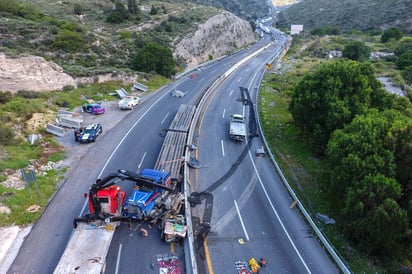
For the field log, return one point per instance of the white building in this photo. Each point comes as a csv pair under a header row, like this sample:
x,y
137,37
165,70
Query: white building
x,y
296,29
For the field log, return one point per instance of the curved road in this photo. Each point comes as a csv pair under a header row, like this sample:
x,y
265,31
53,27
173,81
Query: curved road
x,y
252,193
251,214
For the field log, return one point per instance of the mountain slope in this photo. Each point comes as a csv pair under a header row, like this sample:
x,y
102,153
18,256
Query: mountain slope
x,y
247,9
365,15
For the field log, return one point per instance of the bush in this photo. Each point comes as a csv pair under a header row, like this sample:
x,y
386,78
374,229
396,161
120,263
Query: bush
x,y
69,41
407,74
78,9
405,60
5,97
356,50
391,33
6,135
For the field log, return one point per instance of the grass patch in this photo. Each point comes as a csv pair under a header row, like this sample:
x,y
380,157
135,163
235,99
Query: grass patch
x,y
18,201
19,155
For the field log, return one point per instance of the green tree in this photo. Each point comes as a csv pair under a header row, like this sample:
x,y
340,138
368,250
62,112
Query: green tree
x,y
405,60
407,74
391,33
356,50
405,44
399,140
370,176
359,150
373,218
154,57
153,10
330,97
118,15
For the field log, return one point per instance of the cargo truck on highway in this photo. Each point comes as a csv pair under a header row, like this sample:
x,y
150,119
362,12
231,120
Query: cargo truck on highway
x,y
153,199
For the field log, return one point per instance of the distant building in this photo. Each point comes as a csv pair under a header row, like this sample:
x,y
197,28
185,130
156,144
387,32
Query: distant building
x,y
296,29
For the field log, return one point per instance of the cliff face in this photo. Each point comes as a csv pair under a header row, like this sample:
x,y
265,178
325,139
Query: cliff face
x,y
219,35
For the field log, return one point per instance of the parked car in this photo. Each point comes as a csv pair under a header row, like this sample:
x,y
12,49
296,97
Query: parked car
x,y
129,102
88,134
94,108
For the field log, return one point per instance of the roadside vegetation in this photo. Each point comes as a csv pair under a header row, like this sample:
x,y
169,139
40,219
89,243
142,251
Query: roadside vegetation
x,y
344,144
95,37
16,153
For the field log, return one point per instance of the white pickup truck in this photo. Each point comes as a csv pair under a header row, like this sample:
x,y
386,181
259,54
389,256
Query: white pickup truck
x,y
237,127
129,102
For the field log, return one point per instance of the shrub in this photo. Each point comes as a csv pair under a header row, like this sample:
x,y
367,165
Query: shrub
x,y
5,97
78,9
6,135
69,41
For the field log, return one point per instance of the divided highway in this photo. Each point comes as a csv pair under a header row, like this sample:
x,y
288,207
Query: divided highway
x,y
251,215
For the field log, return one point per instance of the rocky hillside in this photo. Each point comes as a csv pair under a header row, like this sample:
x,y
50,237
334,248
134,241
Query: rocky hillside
x,y
365,15
219,35
30,58
247,9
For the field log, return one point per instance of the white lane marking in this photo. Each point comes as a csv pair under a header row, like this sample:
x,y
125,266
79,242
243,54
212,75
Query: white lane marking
x,y
163,120
241,221
277,215
231,92
223,148
118,258
240,78
223,114
141,161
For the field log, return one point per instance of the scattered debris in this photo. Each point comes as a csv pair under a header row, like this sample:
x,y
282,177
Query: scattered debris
x,y
33,208
145,233
325,219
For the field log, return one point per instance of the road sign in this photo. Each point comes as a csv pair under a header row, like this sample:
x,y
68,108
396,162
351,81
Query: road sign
x,y
30,177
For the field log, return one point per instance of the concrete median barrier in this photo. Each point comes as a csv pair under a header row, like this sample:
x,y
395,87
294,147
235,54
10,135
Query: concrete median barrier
x,y
56,130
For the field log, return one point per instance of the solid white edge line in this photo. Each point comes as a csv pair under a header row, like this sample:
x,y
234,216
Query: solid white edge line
x,y
241,221
277,215
119,253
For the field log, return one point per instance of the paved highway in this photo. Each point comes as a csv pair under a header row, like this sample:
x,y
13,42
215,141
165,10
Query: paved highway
x,y
251,214
135,143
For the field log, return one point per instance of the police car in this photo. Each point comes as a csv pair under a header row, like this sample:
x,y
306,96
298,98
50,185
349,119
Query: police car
x,y
88,134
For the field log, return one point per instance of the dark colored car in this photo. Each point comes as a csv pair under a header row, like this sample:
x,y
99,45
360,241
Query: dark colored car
x,y
94,108
88,134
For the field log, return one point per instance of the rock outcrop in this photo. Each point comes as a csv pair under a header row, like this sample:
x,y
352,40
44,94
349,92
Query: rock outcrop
x,y
32,73
219,35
